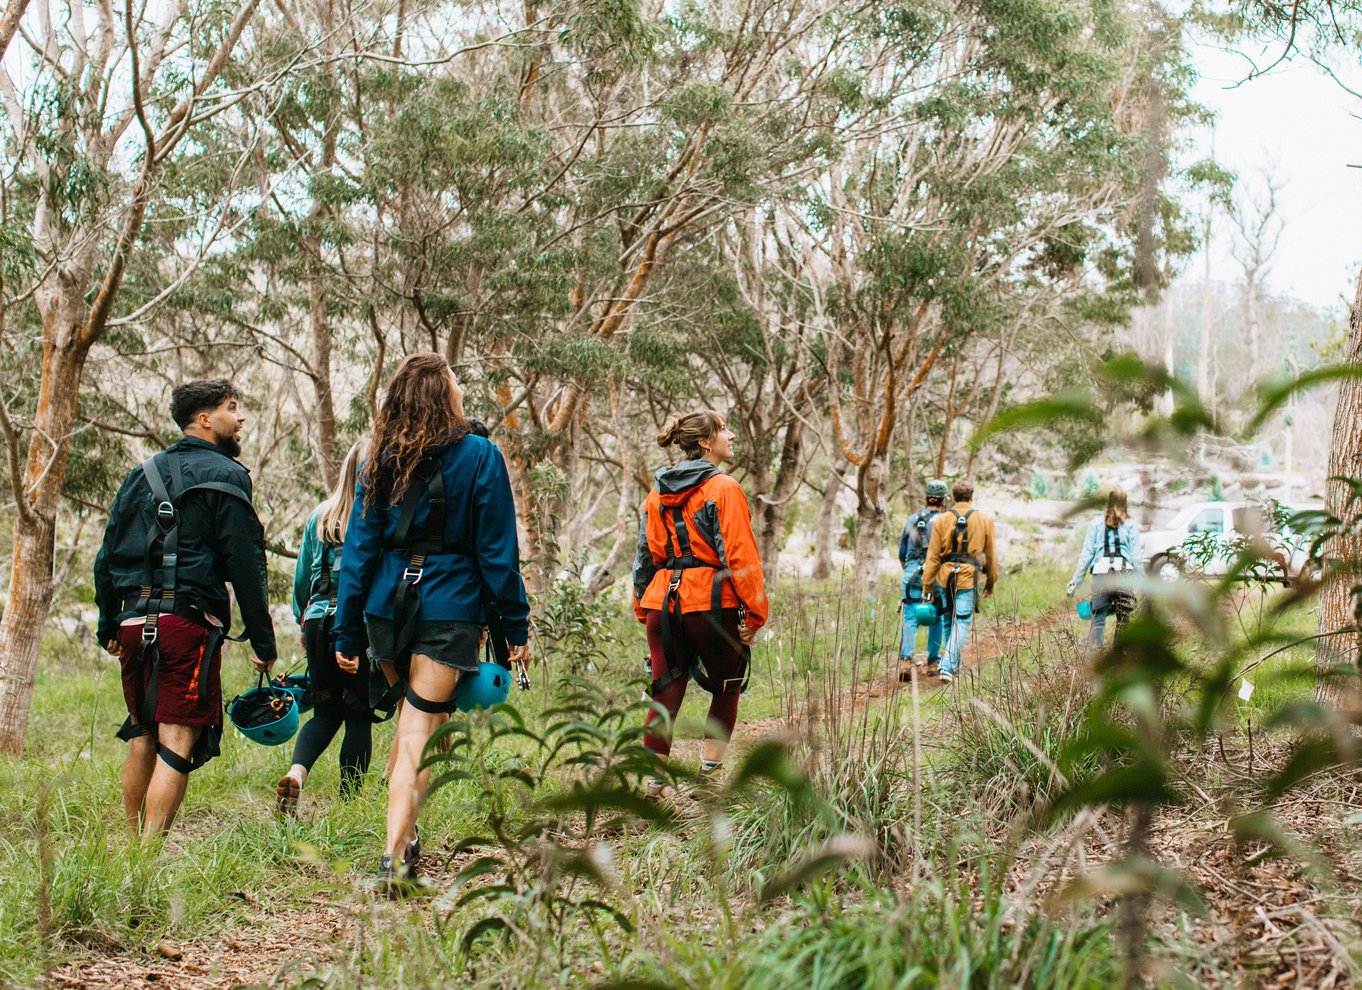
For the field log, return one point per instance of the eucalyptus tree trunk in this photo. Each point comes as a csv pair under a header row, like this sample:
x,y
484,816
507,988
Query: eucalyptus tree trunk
x,y
871,513
1338,608
822,533
75,299
770,510
35,522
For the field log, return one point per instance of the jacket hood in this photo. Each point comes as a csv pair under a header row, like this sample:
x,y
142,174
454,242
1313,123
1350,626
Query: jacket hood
x,y
675,482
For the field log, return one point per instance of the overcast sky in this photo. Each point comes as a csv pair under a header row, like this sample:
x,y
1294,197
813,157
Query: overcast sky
x,y
1309,128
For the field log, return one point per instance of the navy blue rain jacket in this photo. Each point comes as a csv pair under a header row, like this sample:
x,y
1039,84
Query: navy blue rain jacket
x,y
475,480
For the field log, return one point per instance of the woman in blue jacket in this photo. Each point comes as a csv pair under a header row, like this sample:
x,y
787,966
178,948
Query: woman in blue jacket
x,y
433,537
339,699
1111,554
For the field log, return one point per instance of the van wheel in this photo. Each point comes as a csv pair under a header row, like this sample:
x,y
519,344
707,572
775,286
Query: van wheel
x,y
1166,568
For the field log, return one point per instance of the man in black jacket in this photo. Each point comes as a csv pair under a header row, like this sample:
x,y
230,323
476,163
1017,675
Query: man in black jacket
x,y
181,527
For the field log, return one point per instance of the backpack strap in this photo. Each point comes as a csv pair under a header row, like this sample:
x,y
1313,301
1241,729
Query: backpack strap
x,y
960,541
1107,535
327,588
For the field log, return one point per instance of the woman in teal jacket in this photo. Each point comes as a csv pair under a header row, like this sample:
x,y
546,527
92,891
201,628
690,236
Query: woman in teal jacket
x,y
339,698
430,552
1111,554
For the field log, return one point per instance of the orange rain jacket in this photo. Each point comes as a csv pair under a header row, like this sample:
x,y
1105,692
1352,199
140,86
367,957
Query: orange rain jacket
x,y
691,484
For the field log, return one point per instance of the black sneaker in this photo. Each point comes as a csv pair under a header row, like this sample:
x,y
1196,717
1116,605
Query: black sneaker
x,y
394,879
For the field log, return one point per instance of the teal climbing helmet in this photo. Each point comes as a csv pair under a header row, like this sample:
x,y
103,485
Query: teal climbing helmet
x,y
266,714
488,686
936,488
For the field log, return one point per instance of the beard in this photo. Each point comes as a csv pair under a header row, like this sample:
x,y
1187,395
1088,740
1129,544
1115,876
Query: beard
x,y
229,445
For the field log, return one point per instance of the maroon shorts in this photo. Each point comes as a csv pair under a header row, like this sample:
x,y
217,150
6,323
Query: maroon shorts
x,y
188,676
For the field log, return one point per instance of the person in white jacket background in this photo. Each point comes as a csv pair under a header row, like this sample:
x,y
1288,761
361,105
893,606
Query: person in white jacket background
x,y
1111,554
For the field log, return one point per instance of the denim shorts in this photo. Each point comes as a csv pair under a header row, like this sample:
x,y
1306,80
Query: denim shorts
x,y
453,644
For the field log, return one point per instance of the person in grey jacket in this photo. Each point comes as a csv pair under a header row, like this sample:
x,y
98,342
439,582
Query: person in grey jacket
x,y
1111,554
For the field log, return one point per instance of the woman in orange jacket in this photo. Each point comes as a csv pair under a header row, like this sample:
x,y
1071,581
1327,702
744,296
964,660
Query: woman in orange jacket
x,y
698,584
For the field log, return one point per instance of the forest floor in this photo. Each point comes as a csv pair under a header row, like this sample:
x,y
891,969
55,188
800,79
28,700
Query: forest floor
x,y
269,948
241,898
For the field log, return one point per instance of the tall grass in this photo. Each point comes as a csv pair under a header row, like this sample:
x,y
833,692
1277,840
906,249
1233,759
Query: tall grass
x,y
749,890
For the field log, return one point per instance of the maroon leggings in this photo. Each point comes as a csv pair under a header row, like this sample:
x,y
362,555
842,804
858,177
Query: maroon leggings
x,y
723,656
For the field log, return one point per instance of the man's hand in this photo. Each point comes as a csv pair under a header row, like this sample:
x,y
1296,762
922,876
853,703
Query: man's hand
x,y
988,591
112,648
520,654
928,597
347,664
748,634
264,666
1070,588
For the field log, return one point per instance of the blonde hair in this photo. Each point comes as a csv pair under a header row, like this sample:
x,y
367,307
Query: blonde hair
x,y
1117,511
334,515
687,431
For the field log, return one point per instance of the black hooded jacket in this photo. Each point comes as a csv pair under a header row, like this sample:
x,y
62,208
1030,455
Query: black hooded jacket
x,y
220,540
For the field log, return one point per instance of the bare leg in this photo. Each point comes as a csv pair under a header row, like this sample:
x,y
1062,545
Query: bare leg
x,y
390,672
407,786
714,750
166,790
137,769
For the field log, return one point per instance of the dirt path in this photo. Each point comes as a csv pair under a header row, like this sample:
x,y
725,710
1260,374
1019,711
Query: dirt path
x,y
988,641
278,947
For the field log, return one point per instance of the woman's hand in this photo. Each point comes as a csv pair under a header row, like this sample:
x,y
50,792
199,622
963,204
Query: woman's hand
x,y
348,665
520,654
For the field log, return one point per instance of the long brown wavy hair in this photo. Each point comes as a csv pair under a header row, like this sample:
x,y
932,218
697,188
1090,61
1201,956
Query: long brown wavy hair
x,y
420,411
1118,510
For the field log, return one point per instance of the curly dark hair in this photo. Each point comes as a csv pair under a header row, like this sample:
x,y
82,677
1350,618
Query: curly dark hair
x,y
418,414
192,398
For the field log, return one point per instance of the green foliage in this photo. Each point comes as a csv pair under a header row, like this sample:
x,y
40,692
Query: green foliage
x,y
577,624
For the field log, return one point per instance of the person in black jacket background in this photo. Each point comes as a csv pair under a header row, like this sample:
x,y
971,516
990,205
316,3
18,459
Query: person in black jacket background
x,y
163,604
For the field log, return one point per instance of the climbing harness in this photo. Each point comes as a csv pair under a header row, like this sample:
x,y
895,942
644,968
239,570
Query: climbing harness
x,y
416,551
679,560
959,556
157,597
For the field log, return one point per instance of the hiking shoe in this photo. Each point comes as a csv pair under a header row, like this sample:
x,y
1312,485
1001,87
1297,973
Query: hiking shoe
x,y
906,665
394,879
923,662
947,677
412,854
287,792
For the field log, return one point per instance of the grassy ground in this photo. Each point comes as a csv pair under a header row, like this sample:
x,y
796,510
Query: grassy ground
x,y
890,846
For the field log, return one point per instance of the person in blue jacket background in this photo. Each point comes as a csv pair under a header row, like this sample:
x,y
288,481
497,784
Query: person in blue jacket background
x,y
912,553
1111,554
421,426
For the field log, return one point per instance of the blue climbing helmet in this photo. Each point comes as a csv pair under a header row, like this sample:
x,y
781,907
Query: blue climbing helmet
x,y
266,714
488,686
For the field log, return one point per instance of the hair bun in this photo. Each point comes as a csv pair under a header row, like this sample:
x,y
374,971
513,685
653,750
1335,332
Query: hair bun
x,y
668,436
